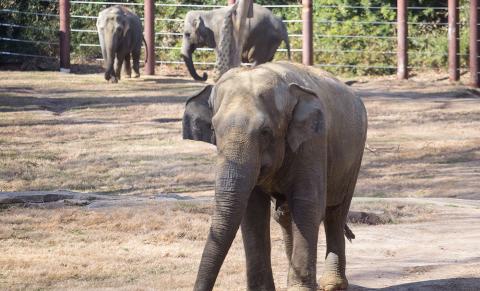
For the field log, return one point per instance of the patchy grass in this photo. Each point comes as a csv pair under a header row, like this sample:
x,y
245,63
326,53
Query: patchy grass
x,y
76,132
122,248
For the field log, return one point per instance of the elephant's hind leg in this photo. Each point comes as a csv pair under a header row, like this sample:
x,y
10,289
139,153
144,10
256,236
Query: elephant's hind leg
x,y
281,214
256,240
136,62
333,277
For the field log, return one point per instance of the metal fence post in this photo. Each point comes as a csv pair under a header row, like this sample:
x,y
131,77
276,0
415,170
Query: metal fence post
x,y
149,22
307,32
453,41
64,11
474,34
402,41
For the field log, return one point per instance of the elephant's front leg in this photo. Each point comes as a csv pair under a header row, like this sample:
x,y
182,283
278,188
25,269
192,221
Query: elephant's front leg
x,y
307,212
118,65
128,66
256,240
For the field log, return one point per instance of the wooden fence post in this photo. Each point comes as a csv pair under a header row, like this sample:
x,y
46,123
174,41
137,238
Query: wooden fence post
x,y
64,48
474,35
149,23
307,32
402,41
453,41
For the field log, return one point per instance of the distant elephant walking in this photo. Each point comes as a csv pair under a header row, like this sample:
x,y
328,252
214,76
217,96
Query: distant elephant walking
x,y
120,33
288,134
265,32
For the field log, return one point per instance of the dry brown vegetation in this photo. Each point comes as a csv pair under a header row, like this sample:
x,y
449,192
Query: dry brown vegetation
x,y
79,133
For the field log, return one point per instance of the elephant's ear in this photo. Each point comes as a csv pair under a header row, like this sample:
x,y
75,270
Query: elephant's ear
x,y
308,119
197,119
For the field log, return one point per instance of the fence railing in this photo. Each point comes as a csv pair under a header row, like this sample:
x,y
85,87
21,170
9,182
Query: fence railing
x,y
308,36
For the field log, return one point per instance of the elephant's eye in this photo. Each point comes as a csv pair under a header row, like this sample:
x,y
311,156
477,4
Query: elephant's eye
x,y
187,34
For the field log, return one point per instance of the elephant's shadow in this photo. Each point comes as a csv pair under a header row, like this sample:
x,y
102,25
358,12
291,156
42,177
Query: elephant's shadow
x,y
459,284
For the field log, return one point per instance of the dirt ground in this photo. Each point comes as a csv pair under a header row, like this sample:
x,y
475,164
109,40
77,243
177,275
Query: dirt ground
x,y
421,172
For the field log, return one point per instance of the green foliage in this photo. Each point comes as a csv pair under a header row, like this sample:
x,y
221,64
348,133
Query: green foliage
x,y
355,40
38,28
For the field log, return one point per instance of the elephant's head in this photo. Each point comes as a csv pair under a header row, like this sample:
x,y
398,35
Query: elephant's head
x,y
255,120
195,34
113,25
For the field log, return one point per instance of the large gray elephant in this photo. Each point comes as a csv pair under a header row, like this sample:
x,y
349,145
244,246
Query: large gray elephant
x,y
120,33
287,134
264,34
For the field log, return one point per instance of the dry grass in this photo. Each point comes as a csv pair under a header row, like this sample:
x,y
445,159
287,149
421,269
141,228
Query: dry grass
x,y
141,247
79,133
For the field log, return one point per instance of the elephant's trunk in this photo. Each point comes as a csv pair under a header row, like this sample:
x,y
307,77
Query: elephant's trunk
x,y
234,182
109,58
187,55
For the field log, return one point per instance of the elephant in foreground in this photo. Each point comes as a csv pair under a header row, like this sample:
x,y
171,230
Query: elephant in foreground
x,y
264,34
289,136
120,33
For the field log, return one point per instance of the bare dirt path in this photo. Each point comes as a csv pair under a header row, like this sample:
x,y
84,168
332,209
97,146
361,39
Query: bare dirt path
x,y
423,244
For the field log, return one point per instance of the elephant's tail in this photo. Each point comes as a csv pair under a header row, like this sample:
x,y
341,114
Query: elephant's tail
x,y
349,233
146,49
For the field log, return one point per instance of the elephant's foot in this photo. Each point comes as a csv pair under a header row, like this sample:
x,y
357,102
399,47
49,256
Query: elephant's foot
x,y
128,76
136,75
333,281
113,80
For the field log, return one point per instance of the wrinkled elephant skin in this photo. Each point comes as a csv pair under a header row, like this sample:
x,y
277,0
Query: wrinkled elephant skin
x,y
287,135
264,34
120,33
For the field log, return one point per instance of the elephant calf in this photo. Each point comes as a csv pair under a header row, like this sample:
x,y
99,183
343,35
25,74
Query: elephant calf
x,y
264,34
120,33
286,134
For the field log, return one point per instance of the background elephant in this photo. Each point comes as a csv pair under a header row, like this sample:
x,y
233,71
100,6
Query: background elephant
x,y
284,134
264,34
120,33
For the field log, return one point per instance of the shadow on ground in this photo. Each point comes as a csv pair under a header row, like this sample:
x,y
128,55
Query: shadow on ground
x,y
458,284
463,93
59,105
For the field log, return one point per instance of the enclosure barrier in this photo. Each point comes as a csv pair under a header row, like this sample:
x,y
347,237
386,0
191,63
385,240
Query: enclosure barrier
x,y
402,46
474,35
307,50
453,41
149,23
64,12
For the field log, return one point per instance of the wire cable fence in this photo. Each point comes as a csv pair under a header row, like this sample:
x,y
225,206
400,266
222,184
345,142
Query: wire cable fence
x,y
169,18
347,38
29,33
